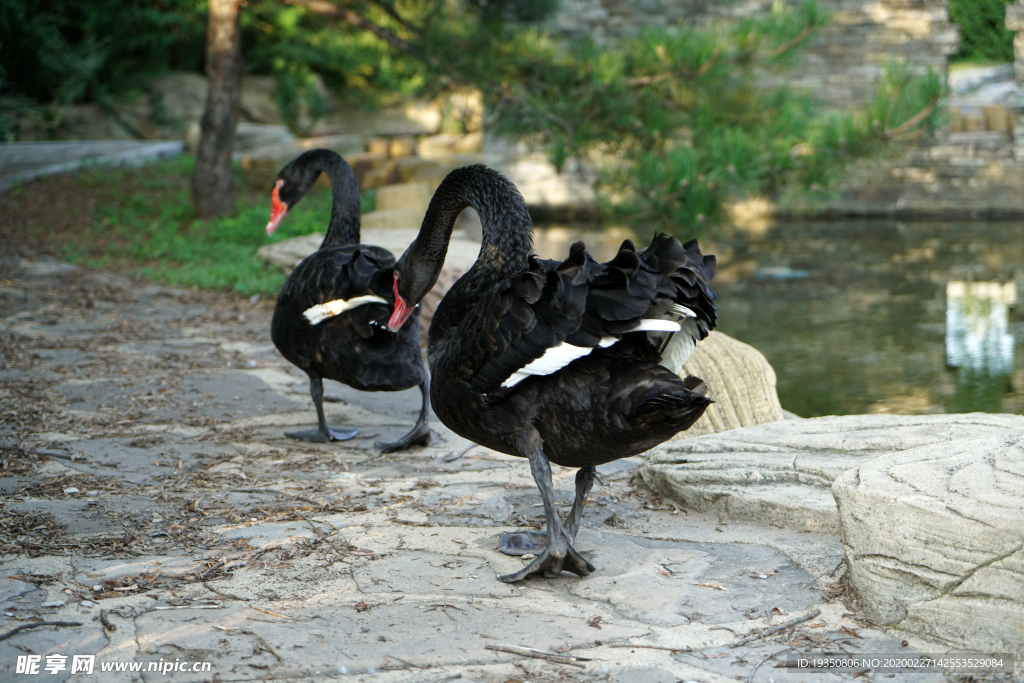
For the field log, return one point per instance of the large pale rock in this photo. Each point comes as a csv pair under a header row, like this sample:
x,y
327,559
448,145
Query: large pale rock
x,y
23,161
262,164
414,118
392,219
414,196
442,147
462,252
781,473
934,537
739,379
248,136
407,167
428,305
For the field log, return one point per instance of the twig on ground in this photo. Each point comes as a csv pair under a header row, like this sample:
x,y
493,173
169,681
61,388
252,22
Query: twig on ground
x,y
48,454
216,566
405,661
280,493
654,647
23,627
453,458
772,656
539,654
372,457
776,629
222,594
263,641
831,573
273,614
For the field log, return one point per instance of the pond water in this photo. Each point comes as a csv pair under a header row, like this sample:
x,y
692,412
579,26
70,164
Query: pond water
x,y
875,316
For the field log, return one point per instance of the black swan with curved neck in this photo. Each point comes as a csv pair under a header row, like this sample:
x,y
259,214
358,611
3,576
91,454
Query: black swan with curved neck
x,y
331,316
571,362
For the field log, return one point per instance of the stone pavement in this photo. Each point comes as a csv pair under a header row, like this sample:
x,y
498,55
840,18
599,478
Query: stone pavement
x,y
23,161
149,496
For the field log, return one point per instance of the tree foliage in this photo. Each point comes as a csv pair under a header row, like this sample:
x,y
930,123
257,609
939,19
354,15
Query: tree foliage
x,y
60,52
675,122
678,122
983,34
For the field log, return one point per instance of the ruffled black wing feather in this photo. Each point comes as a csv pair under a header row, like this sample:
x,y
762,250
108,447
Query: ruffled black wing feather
x,y
340,273
581,301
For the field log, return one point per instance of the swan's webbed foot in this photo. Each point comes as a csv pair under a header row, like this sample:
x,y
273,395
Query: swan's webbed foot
x,y
324,436
522,542
556,552
556,557
323,433
420,435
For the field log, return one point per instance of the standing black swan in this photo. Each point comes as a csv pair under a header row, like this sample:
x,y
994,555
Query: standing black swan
x,y
331,315
573,363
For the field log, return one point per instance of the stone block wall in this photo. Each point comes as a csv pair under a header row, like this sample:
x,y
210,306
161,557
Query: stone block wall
x,y
966,175
841,64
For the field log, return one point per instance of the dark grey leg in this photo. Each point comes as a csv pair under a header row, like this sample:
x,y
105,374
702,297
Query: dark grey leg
x,y
323,434
584,482
523,542
559,554
420,433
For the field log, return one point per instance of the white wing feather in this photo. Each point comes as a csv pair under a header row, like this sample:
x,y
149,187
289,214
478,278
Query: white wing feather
x,y
321,312
680,346
557,357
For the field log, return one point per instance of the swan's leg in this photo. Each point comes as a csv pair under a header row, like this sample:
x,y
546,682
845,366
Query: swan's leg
x,y
558,554
323,433
523,542
584,482
420,432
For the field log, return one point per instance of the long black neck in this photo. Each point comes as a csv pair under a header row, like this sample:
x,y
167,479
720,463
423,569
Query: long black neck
x,y
507,229
345,209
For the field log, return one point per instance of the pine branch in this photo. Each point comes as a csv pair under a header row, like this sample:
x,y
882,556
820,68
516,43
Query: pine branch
x,y
775,52
393,13
899,130
892,108
329,9
648,80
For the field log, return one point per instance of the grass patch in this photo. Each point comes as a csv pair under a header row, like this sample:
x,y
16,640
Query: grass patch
x,y
141,220
974,62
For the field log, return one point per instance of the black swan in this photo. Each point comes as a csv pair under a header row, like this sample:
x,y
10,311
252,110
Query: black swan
x,y
331,316
571,362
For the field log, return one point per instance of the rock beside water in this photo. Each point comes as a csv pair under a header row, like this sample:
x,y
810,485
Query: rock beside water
x,y
934,536
930,509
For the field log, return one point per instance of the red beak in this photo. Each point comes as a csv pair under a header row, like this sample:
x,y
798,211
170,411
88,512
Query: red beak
x,y
402,310
277,210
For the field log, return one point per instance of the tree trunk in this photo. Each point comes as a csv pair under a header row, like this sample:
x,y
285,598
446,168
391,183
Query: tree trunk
x,y
213,189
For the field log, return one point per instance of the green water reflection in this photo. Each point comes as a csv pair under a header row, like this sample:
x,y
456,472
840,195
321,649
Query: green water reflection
x,y
864,328
853,314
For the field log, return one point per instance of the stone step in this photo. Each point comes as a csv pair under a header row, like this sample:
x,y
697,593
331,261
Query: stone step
x,y
23,161
462,251
415,195
392,219
262,164
934,534
782,472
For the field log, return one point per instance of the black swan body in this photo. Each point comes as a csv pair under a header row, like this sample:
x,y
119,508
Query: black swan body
x,y
571,362
330,319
